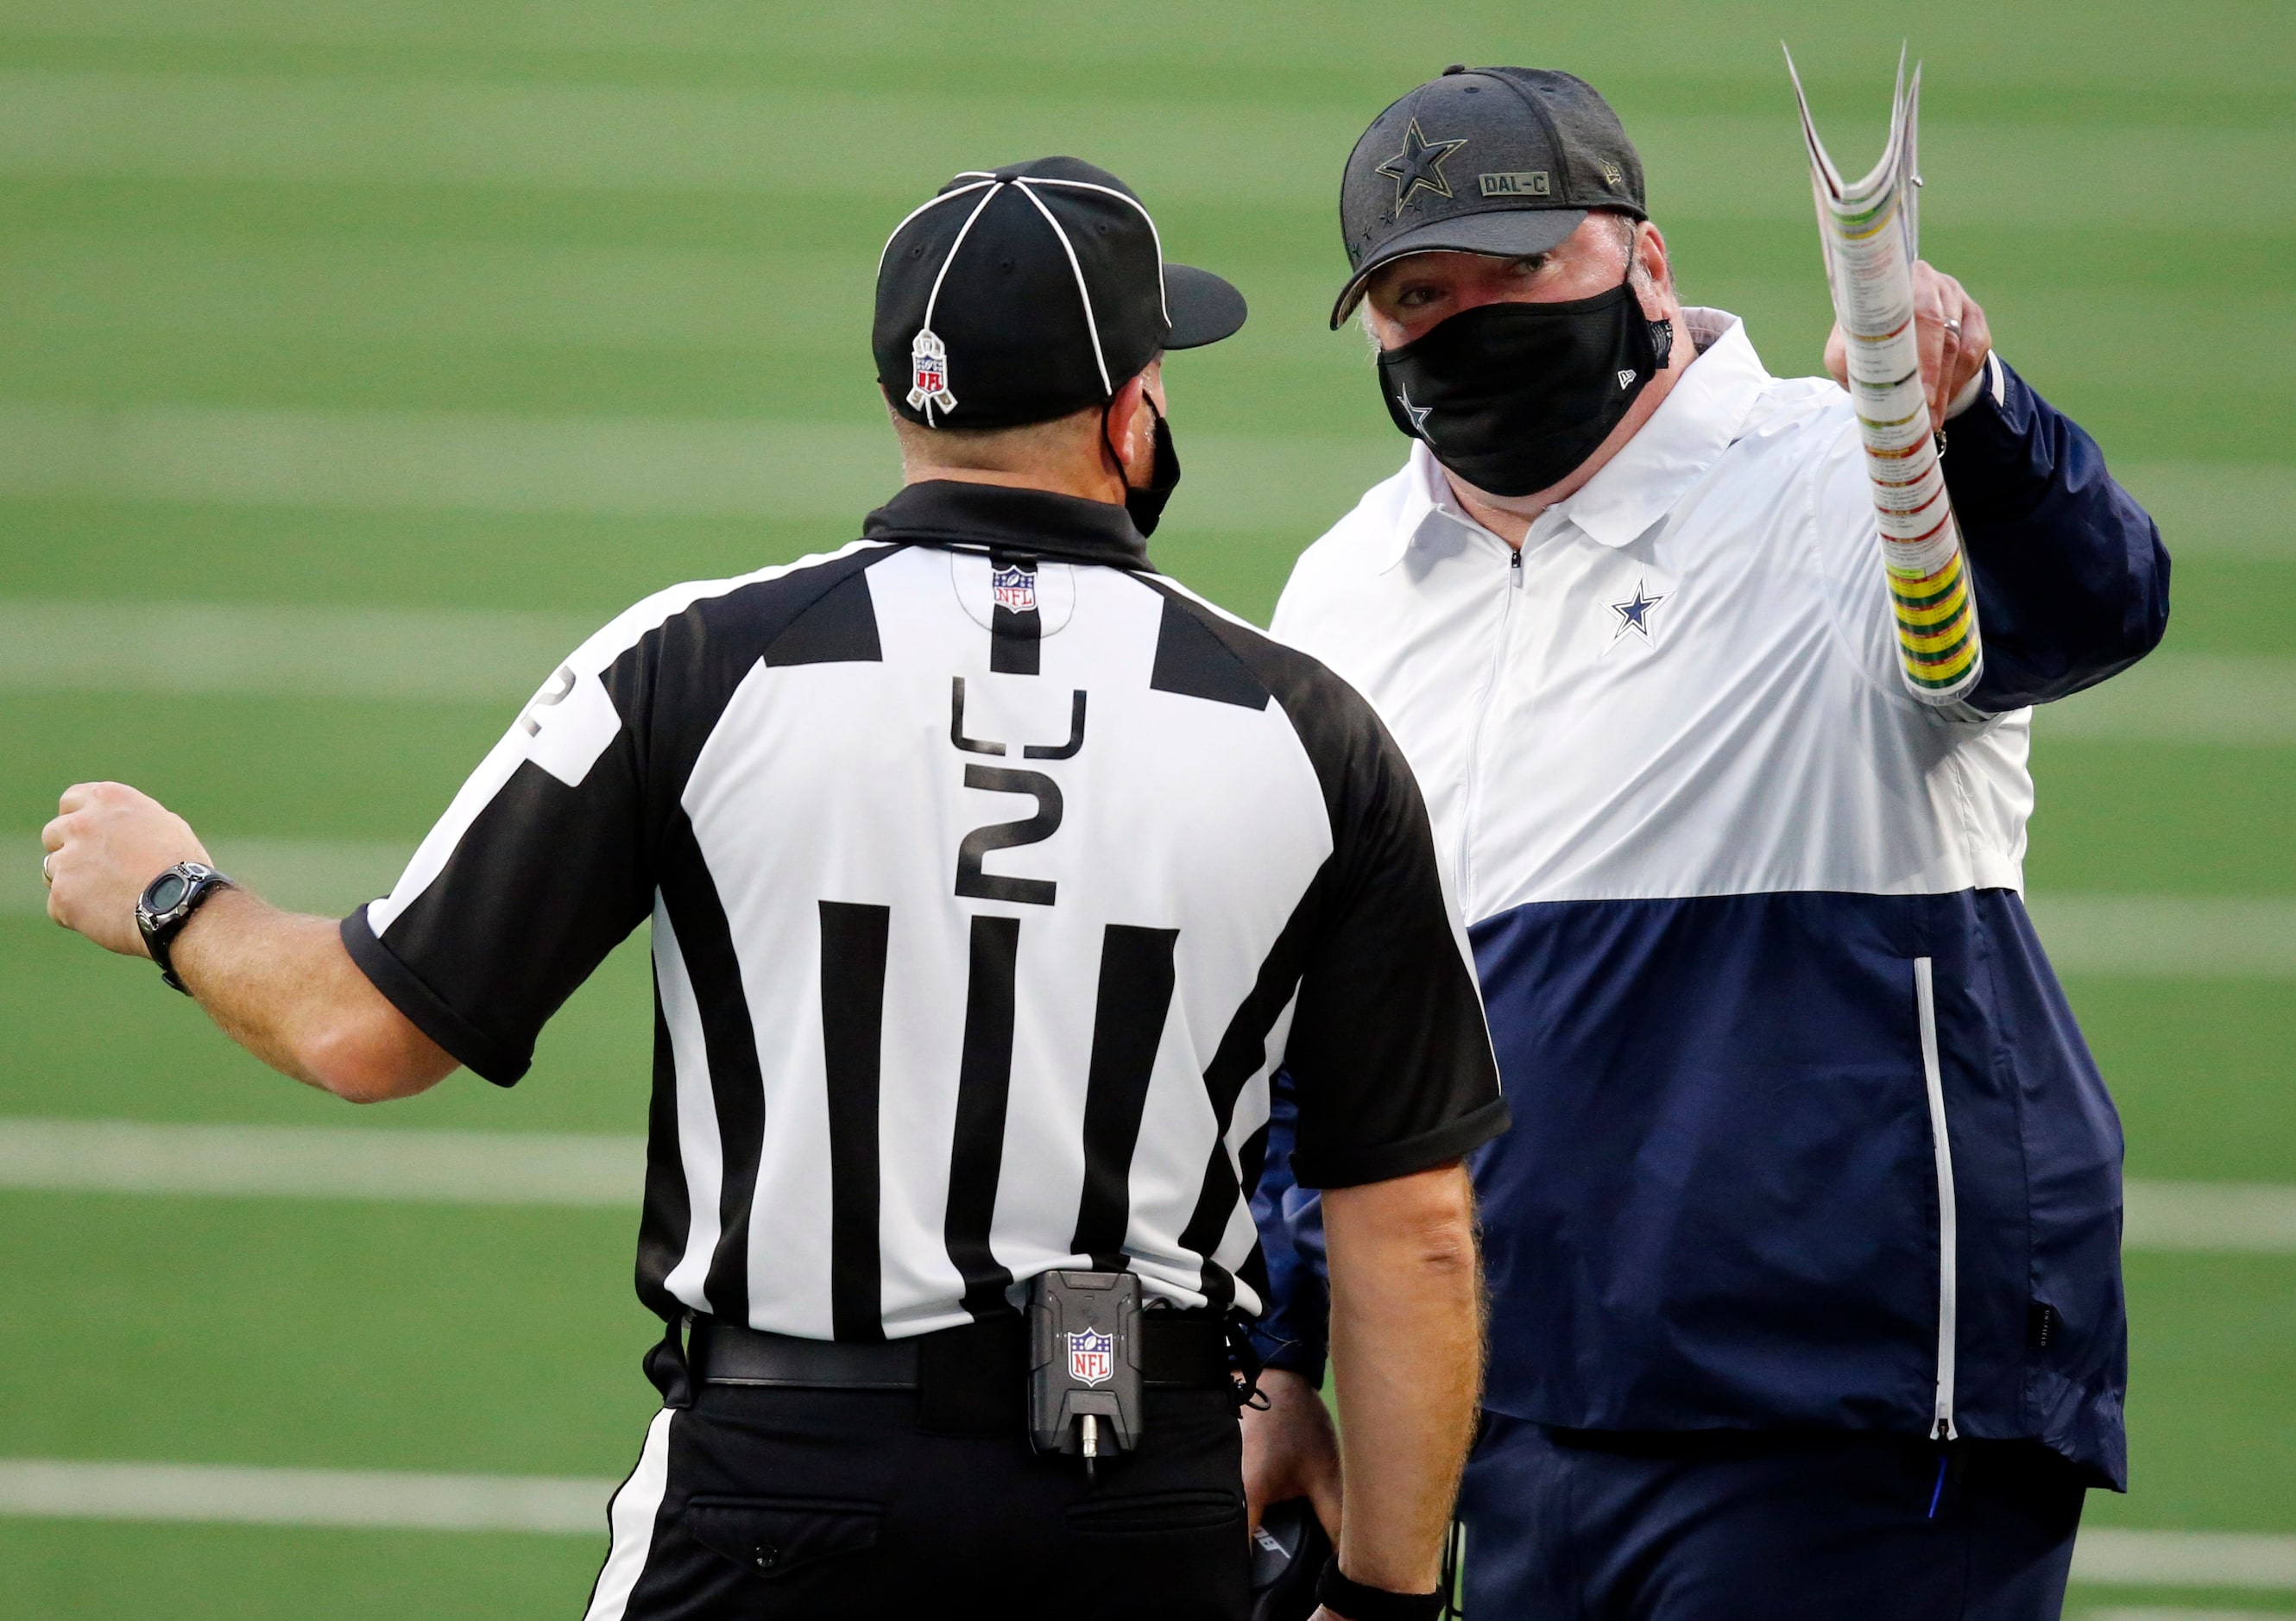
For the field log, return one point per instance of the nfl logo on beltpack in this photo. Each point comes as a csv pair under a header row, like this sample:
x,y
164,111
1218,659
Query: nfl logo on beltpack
x,y
1092,1357
929,372
1014,589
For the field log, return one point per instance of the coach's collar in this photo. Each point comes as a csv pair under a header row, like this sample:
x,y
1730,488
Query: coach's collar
x,y
946,512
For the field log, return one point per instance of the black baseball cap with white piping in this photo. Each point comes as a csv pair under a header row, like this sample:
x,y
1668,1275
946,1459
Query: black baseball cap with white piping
x,y
1499,160
1030,291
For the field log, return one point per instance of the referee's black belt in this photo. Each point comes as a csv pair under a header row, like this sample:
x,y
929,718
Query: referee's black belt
x,y
1178,1351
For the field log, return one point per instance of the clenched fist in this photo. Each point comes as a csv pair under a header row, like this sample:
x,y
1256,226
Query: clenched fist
x,y
107,842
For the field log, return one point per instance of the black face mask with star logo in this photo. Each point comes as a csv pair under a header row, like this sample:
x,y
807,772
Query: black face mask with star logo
x,y
1513,397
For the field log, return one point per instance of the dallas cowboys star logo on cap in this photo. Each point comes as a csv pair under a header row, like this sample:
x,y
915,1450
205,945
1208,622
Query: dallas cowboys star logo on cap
x,y
1634,615
1419,165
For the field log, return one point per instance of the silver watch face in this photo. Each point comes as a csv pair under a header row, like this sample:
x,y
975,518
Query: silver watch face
x,y
167,893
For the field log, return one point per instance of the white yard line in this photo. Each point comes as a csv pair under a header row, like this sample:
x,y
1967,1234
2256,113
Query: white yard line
x,y
393,1500
2182,937
251,650
503,657
322,1162
539,1168
329,876
2258,1561
2225,1218
368,1499
2179,937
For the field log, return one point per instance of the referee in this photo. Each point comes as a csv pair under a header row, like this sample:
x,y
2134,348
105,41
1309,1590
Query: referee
x,y
990,876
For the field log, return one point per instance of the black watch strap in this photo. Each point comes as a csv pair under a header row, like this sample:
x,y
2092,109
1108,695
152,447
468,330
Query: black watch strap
x,y
167,902
1357,1602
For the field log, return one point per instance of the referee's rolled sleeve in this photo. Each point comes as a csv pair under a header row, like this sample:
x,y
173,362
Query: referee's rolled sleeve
x,y
1349,1168
428,1011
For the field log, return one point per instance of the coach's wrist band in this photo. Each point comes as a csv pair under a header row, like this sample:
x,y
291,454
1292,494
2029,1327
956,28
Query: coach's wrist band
x,y
1358,1602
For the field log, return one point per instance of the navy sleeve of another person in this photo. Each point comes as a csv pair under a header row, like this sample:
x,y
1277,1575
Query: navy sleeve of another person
x,y
2071,580
1293,1330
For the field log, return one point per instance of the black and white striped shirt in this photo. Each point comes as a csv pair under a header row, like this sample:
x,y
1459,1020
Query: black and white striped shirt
x,y
991,876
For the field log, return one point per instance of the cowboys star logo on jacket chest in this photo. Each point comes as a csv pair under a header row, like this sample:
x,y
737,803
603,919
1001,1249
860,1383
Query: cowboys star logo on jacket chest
x,y
1635,617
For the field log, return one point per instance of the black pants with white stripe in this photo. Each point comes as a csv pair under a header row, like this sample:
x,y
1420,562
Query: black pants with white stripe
x,y
761,1503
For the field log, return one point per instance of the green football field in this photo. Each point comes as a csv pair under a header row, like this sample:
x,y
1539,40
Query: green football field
x,y
357,358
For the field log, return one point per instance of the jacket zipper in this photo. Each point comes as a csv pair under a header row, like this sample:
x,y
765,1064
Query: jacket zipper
x,y
1948,1220
1475,742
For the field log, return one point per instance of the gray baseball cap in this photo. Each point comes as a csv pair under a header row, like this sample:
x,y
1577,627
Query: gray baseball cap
x,y
1499,160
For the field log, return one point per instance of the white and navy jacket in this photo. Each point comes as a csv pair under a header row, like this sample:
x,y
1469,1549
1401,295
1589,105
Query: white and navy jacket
x,y
1806,1135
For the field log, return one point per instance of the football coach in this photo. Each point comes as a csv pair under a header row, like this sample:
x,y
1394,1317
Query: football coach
x,y
1804,1249
990,877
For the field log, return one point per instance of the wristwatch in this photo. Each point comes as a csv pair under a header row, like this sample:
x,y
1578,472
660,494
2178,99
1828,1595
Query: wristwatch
x,y
166,904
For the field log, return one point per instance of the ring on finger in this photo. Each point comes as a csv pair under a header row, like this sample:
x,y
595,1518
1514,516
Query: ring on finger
x,y
47,871
1953,326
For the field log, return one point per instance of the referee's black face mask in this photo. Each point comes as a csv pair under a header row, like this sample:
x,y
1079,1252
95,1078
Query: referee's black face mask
x,y
1512,397
1145,501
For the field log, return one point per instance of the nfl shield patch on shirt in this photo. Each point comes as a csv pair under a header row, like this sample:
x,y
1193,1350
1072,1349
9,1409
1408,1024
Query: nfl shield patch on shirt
x,y
1014,588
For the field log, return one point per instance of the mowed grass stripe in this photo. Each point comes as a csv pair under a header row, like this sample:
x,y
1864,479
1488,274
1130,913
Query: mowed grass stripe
x,y
2183,698
2021,57
778,303
554,1504
603,295
194,126
432,1167
2228,510
638,467
762,468
448,461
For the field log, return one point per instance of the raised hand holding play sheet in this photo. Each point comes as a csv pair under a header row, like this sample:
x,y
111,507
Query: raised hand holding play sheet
x,y
1869,231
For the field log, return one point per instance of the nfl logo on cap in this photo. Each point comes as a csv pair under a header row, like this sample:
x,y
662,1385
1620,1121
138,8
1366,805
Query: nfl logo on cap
x,y
929,372
1092,1357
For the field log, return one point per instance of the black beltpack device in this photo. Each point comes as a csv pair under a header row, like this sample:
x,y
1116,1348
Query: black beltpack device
x,y
1084,1363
